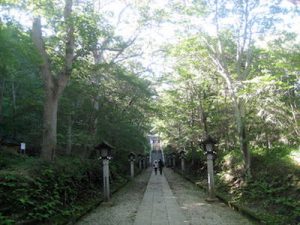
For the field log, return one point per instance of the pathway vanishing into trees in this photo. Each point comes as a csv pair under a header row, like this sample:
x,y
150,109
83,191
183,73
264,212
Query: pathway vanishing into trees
x,y
168,199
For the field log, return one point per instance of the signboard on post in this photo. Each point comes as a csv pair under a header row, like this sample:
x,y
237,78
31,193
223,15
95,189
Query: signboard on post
x,y
23,148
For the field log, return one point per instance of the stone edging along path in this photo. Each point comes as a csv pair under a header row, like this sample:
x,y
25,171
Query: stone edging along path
x,y
95,204
92,206
245,211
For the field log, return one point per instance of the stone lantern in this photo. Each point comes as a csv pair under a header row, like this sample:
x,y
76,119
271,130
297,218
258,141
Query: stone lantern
x,y
182,158
144,161
131,159
173,158
140,158
105,153
208,145
147,161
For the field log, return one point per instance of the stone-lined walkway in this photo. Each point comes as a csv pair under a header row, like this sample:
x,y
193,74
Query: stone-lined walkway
x,y
159,206
166,199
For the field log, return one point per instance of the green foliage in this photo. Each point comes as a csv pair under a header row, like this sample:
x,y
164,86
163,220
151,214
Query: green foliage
x,y
122,116
5,220
228,85
20,87
16,49
124,99
272,193
39,191
106,100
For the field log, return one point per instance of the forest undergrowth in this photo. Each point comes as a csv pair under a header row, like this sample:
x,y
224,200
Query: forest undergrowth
x,y
33,191
271,194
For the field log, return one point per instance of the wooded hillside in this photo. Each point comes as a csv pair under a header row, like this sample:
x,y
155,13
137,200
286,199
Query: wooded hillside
x,y
75,73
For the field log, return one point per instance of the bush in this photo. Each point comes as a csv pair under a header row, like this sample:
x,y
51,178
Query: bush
x,y
39,191
273,190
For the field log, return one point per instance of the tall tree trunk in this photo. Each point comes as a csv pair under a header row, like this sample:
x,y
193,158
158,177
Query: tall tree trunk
x,y
268,141
228,142
13,94
14,98
49,126
238,113
293,107
203,119
202,114
54,84
241,128
96,107
1,98
193,153
244,146
243,67
69,144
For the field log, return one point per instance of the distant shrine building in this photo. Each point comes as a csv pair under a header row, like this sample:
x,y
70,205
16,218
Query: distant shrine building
x,y
156,152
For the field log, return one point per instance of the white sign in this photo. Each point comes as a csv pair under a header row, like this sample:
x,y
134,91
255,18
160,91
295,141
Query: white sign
x,y
23,146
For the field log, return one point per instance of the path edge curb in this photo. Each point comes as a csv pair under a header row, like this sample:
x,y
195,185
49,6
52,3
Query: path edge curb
x,y
93,206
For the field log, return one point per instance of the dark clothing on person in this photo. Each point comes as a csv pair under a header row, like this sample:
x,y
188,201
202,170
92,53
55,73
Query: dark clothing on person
x,y
160,166
155,165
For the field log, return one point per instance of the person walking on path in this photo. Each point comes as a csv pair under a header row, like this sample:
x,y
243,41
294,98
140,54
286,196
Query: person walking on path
x,y
155,166
160,166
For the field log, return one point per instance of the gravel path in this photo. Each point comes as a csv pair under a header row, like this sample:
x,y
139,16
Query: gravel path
x,y
198,212
123,206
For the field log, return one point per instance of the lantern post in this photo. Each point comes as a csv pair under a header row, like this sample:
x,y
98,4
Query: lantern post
x,y
131,159
105,152
182,158
208,145
140,158
173,158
